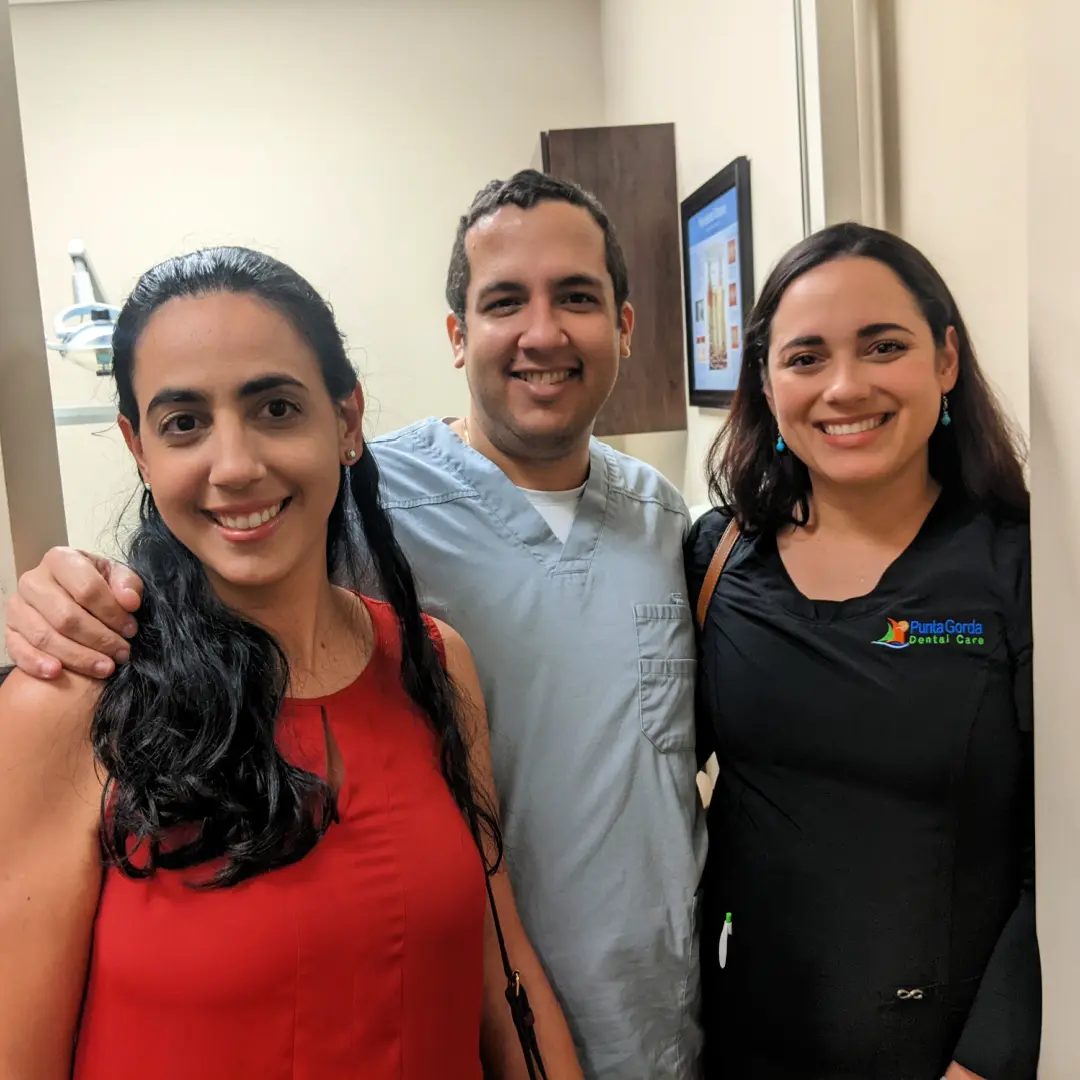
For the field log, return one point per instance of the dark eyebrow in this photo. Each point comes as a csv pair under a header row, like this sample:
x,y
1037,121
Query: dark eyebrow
x,y
571,281
179,396
499,287
577,280
174,396
868,331
808,341
873,329
269,382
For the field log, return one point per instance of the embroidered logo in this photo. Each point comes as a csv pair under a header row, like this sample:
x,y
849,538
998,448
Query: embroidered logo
x,y
901,634
896,636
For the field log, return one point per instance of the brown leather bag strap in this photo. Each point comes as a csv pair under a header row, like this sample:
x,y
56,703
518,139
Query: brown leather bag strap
x,y
716,568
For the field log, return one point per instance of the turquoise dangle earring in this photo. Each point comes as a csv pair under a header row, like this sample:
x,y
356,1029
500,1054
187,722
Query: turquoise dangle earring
x,y
781,446
946,419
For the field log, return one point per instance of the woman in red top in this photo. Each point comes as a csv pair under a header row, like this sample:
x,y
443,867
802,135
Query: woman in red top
x,y
290,782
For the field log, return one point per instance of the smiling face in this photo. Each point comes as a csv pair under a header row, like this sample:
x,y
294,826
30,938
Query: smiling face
x,y
542,339
238,437
854,376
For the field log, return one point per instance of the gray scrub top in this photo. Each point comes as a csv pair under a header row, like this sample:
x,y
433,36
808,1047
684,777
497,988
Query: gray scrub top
x,y
586,657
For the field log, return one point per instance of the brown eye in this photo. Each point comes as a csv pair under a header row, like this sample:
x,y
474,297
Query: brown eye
x,y
179,424
279,409
887,348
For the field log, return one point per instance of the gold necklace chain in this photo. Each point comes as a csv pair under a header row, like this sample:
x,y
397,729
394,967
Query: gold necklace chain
x,y
465,431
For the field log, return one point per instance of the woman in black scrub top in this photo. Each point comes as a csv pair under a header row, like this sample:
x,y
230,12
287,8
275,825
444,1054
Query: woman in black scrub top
x,y
866,686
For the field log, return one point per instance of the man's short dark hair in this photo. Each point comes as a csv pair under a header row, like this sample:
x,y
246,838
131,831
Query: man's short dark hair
x,y
524,190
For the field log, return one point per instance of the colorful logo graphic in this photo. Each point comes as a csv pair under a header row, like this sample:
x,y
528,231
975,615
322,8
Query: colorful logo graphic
x,y
901,634
896,636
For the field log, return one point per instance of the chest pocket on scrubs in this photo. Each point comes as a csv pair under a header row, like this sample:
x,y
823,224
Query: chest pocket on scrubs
x,y
666,672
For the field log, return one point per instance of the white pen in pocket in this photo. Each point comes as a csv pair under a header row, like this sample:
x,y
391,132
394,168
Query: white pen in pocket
x,y
725,935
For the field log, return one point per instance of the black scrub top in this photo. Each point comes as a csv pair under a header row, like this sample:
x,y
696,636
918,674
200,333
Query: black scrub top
x,y
872,828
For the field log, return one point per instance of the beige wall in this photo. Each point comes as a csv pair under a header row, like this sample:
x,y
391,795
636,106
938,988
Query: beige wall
x,y
8,577
1053,173
31,511
10,144
346,138
957,113
724,72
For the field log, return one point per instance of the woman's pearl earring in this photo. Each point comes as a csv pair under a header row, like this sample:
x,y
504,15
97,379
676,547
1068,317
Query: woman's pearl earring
x,y
350,454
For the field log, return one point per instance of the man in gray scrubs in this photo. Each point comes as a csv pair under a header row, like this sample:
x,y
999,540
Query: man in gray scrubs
x,y
560,562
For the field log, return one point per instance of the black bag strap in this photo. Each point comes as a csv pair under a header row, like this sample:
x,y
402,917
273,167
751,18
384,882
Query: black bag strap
x,y
518,1001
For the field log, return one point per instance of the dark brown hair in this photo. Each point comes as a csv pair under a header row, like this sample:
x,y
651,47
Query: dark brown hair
x,y
187,730
525,190
978,454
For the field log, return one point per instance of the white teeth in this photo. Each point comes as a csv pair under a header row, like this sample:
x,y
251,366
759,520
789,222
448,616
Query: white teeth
x,y
248,521
853,429
544,378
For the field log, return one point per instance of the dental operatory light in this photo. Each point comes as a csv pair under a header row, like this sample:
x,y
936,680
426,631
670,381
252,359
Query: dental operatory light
x,y
83,331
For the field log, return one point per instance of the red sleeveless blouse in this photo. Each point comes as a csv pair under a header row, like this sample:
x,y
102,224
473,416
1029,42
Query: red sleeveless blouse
x,y
365,959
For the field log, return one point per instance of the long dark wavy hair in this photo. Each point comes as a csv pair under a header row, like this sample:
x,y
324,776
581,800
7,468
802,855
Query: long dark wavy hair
x,y
979,454
186,730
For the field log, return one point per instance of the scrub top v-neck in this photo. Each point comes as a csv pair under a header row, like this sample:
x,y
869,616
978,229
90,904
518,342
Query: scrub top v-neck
x,y
558,508
513,508
871,827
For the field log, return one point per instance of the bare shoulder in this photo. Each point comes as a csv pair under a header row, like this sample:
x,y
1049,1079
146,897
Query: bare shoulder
x,y
460,665
459,658
453,642
474,721
43,719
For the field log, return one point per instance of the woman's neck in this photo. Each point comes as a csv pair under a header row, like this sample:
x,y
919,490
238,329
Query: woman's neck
x,y
319,627
883,511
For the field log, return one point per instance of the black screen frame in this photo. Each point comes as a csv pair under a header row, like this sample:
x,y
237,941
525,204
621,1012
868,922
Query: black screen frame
x,y
735,175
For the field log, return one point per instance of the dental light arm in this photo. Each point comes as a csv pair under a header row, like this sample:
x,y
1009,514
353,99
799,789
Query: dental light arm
x,y
83,331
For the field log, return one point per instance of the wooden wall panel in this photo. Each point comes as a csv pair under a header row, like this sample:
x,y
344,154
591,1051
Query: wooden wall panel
x,y
631,170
